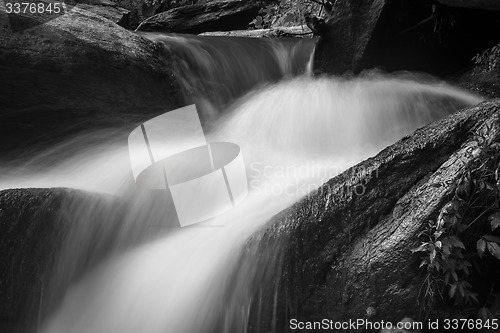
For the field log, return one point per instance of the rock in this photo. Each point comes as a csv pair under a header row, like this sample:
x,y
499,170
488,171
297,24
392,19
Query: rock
x,y
298,31
347,35
484,82
344,252
106,8
403,35
75,72
212,16
32,233
485,76
117,15
473,4
142,9
50,237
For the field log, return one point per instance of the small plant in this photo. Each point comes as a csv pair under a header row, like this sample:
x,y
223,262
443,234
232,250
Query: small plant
x,y
489,59
462,246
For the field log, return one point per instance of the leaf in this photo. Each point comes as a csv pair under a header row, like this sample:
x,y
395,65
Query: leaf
x,y
453,220
446,251
456,242
433,255
491,238
461,289
452,290
466,185
481,246
421,248
494,220
494,249
438,234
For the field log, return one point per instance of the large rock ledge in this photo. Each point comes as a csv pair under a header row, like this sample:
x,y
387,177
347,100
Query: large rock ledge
x,y
51,237
78,70
213,16
33,231
335,253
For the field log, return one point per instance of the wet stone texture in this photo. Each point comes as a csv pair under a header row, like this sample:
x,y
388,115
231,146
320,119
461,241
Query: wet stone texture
x,y
336,254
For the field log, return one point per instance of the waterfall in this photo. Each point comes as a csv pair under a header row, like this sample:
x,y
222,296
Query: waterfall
x,y
295,132
214,71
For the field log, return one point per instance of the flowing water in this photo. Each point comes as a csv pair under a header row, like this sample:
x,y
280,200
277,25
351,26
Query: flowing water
x,y
295,132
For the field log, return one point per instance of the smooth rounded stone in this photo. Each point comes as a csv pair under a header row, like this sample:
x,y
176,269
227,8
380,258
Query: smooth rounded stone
x,y
75,72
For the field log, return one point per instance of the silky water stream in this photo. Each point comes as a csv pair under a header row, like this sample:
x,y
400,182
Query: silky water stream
x,y
295,132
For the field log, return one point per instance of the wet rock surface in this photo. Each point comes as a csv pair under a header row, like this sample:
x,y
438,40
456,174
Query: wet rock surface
x,y
347,248
107,9
350,31
198,18
395,35
33,232
78,71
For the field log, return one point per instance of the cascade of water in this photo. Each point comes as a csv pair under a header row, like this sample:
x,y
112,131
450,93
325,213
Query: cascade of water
x,y
295,134
217,70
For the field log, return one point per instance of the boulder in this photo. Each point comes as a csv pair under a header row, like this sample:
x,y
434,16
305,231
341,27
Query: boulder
x,y
344,252
33,231
76,72
395,35
49,238
485,76
108,9
211,16
348,34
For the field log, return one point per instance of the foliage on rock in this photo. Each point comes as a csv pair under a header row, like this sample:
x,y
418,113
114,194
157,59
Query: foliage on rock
x,y
462,246
169,4
489,59
288,13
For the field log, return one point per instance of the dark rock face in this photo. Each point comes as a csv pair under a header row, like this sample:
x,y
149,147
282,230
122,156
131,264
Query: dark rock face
x,y
344,252
198,18
485,76
78,71
141,10
108,9
484,82
51,237
25,250
33,231
348,34
403,35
